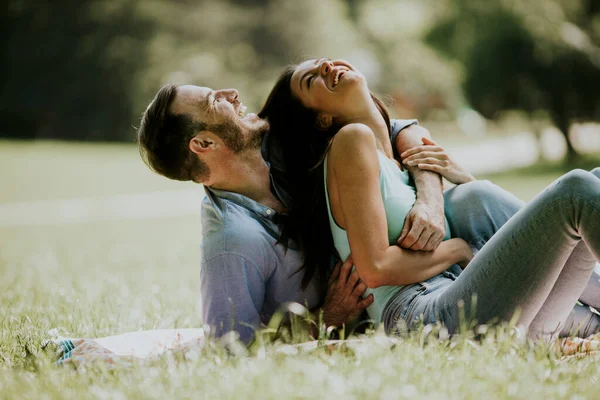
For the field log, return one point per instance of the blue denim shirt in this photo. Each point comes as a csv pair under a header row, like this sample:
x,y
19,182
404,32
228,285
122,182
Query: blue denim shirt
x,y
245,275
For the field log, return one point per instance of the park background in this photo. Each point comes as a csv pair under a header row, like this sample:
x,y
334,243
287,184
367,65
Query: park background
x,y
93,244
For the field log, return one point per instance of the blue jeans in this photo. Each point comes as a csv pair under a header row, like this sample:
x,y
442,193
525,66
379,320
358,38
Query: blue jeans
x,y
539,262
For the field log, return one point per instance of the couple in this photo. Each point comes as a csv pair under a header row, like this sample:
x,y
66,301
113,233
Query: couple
x,y
318,172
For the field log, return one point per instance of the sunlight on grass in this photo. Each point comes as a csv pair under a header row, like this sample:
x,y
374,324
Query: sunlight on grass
x,y
104,278
56,170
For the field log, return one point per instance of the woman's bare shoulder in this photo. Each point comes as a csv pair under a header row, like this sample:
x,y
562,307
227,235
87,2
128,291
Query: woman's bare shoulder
x,y
352,137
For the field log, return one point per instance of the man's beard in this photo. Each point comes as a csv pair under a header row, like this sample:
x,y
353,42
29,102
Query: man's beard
x,y
234,138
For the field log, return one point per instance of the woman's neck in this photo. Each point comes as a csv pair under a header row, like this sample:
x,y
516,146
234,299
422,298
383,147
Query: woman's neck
x,y
374,120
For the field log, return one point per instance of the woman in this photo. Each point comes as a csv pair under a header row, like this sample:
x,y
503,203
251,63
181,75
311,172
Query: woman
x,y
324,115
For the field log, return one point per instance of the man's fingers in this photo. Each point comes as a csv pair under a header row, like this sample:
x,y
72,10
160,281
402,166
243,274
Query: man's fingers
x,y
416,230
423,240
352,281
433,242
412,238
405,228
345,271
430,244
359,289
366,302
336,273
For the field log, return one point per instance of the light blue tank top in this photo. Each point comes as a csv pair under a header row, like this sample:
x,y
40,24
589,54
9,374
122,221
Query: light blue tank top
x,y
398,198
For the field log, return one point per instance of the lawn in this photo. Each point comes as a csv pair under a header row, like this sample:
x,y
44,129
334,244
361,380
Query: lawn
x,y
107,277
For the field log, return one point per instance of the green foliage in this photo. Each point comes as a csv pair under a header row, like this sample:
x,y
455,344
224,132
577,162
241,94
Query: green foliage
x,y
542,55
87,70
67,70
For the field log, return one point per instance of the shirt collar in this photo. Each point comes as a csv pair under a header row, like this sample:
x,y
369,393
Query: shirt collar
x,y
243,201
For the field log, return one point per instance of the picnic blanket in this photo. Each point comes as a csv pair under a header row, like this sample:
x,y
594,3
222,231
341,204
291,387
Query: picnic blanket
x,y
128,348
122,350
125,349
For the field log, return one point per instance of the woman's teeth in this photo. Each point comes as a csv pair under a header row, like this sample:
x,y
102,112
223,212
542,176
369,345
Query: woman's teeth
x,y
337,78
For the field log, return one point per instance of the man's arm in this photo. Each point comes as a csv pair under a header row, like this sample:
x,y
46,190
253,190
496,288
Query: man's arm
x,y
232,291
425,226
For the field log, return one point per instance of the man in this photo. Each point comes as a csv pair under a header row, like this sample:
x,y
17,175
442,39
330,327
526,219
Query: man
x,y
199,134
194,133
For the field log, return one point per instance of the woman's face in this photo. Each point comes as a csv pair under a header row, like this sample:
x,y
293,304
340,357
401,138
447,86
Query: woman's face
x,y
334,87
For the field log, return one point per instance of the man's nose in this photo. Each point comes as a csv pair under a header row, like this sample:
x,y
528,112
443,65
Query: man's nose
x,y
230,95
326,67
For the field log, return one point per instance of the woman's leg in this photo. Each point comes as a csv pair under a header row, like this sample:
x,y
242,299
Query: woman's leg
x,y
520,265
591,294
581,322
564,294
475,212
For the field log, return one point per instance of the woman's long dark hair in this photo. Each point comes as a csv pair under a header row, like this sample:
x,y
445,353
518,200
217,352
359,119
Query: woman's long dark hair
x,y
304,144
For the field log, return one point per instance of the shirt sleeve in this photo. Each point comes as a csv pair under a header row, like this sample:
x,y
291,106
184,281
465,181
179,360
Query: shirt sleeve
x,y
397,126
232,291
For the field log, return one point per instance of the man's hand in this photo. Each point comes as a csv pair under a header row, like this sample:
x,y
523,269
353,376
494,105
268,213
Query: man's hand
x,y
344,302
424,227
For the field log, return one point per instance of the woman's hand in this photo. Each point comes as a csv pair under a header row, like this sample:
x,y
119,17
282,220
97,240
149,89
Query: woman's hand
x,y
431,157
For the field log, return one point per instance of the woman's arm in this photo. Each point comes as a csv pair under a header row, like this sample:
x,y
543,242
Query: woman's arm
x,y
354,166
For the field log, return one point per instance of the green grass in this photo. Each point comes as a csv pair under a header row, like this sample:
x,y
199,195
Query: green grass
x,y
102,278
529,181
56,170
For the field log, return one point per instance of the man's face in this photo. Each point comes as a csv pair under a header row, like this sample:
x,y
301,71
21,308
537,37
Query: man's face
x,y
223,113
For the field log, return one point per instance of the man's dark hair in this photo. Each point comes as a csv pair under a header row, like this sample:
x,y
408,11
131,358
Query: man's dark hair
x,y
163,138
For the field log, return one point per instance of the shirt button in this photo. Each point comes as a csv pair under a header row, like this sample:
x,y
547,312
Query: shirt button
x,y
269,212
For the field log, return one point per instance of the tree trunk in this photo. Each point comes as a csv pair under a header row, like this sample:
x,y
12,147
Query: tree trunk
x,y
563,126
572,155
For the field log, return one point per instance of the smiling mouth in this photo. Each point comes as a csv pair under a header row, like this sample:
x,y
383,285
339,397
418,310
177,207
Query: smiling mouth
x,y
240,108
337,76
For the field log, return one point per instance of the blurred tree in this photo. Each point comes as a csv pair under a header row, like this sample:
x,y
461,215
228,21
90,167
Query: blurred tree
x,y
87,69
536,55
67,68
246,44
396,61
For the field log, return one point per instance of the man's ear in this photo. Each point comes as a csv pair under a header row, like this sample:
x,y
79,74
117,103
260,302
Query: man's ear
x,y
324,121
202,143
